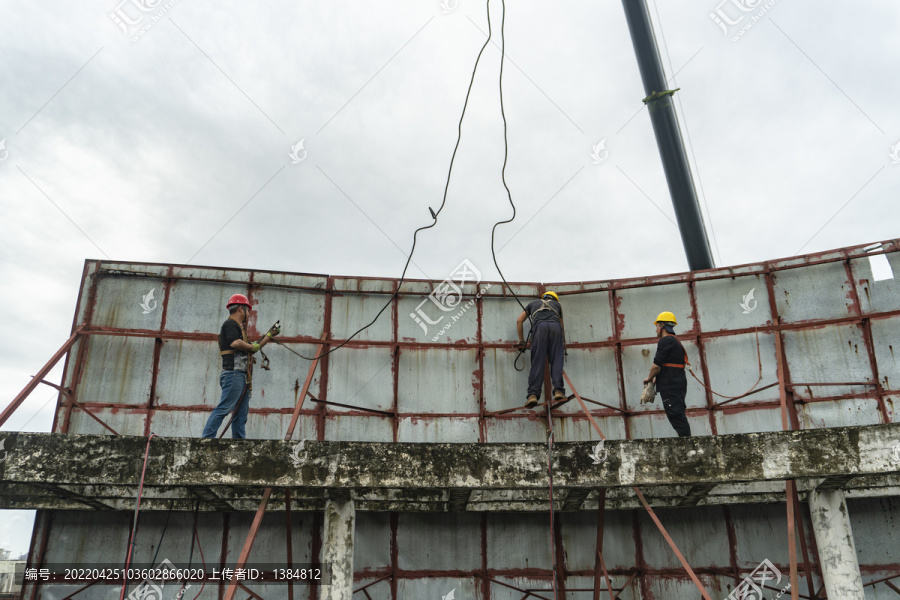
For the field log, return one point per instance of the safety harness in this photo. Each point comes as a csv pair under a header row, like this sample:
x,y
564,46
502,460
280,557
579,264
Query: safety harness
x,y
545,305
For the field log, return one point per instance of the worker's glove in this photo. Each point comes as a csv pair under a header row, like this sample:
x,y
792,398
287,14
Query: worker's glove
x,y
274,331
254,347
649,393
520,346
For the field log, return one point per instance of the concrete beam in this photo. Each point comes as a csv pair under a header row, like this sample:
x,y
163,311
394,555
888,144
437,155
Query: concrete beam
x,y
837,550
337,551
230,474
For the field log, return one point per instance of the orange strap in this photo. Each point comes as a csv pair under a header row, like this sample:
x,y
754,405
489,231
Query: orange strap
x,y
676,366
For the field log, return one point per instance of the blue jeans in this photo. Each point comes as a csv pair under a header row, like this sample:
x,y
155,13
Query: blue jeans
x,y
232,383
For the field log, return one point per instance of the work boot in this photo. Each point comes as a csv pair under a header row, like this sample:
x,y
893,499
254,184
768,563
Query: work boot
x,y
532,401
558,394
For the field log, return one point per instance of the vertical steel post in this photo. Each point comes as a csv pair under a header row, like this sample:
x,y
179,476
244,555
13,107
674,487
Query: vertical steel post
x,y
668,137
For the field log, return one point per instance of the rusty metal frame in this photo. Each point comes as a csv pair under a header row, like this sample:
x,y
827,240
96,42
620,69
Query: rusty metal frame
x,y
75,351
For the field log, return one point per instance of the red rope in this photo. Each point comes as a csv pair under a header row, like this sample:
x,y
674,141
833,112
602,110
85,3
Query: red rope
x,y
137,509
550,474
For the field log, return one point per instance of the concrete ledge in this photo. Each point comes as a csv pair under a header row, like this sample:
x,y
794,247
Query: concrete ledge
x,y
90,471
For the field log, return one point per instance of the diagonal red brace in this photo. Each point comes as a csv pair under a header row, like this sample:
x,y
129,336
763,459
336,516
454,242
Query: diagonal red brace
x,y
261,510
640,496
9,410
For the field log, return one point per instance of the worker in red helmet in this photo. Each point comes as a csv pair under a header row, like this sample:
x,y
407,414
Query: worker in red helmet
x,y
236,354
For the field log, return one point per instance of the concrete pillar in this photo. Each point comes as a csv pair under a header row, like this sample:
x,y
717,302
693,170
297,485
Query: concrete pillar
x,y
337,549
837,550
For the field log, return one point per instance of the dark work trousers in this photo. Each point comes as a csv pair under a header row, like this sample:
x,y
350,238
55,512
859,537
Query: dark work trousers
x,y
546,343
673,402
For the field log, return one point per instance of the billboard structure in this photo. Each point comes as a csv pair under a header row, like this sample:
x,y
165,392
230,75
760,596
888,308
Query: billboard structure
x,y
798,345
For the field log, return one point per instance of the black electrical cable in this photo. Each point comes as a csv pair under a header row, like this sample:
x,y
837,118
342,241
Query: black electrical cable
x,y
165,526
434,214
505,154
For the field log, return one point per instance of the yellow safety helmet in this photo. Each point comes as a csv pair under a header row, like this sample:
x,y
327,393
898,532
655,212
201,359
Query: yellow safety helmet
x,y
549,293
667,317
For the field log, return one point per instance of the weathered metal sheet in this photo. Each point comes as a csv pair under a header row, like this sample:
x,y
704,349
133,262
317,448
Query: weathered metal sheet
x,y
814,292
438,381
155,368
738,303
439,542
117,370
639,307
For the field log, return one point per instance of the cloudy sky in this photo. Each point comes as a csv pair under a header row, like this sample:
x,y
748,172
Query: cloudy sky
x,y
164,132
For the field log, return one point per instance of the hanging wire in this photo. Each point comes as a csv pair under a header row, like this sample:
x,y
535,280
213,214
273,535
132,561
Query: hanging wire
x,y
434,214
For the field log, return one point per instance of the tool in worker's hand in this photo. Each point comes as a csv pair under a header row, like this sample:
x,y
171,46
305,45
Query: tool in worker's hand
x,y
274,329
520,347
649,393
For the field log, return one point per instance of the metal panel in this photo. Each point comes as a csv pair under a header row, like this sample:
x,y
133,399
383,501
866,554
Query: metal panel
x,y
593,372
741,420
579,534
638,308
518,541
117,369
877,296
814,292
197,306
129,302
372,541
697,533
733,364
438,381
364,381
439,429
886,335
188,387
831,354
588,316
439,542
739,303
351,312
358,429
504,387
838,413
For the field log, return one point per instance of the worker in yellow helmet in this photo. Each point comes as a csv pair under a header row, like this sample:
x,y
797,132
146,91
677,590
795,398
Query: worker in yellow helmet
x,y
547,342
668,373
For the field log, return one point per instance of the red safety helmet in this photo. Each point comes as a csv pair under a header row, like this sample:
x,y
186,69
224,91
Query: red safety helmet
x,y
238,299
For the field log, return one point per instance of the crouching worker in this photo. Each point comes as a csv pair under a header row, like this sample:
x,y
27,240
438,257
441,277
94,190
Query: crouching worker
x,y
547,343
236,354
668,372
